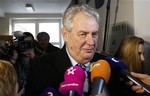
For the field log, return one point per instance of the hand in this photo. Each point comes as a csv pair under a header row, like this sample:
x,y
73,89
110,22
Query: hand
x,y
143,77
14,57
102,94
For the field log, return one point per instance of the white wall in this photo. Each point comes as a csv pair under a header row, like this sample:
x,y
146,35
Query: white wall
x,y
1,13
1,25
123,11
142,18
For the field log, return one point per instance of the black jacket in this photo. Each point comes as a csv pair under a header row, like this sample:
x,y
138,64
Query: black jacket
x,y
51,48
49,70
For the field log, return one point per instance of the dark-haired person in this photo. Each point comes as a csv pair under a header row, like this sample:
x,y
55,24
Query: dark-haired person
x,y
23,55
44,45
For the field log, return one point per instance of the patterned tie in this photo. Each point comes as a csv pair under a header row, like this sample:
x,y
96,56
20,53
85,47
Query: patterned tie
x,y
86,83
85,68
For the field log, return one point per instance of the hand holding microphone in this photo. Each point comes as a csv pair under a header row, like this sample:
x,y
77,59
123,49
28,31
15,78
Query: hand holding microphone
x,y
74,78
119,67
100,74
143,77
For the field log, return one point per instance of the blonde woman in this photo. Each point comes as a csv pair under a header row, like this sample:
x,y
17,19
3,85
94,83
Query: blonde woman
x,y
131,52
8,79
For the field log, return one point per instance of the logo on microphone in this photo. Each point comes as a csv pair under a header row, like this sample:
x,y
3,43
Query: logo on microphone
x,y
93,65
115,60
71,71
49,92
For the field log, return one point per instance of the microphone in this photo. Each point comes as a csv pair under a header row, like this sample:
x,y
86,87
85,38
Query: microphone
x,y
100,74
72,85
17,34
49,92
117,66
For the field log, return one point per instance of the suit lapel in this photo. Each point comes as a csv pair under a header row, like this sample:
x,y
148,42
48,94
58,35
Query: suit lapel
x,y
64,63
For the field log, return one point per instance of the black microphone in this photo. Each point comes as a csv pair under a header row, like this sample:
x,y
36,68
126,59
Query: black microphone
x,y
49,92
117,66
100,73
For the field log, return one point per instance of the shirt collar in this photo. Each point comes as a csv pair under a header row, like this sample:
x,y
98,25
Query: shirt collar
x,y
73,61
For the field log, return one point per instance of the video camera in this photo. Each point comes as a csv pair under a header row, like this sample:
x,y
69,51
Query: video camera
x,y
23,45
19,44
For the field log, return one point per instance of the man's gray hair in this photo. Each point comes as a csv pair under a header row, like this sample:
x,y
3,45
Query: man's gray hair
x,y
73,10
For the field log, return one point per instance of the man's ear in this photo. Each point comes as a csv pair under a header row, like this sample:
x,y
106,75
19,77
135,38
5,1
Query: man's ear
x,y
64,33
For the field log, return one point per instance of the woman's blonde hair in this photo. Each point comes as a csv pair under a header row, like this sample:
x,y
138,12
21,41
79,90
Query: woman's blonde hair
x,y
128,53
8,79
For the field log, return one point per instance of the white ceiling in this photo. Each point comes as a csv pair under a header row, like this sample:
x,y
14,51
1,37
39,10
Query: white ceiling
x,y
40,6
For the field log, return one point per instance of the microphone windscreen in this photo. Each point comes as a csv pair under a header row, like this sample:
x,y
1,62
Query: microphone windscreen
x,y
119,70
116,63
116,66
101,69
18,34
74,78
49,92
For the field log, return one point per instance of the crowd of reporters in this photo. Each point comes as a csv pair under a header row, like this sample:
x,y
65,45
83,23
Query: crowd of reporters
x,y
22,51
25,50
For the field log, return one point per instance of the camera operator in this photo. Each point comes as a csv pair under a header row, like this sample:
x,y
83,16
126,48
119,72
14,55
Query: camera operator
x,y
23,54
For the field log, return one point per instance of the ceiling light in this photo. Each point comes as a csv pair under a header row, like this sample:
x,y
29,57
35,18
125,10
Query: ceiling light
x,y
29,7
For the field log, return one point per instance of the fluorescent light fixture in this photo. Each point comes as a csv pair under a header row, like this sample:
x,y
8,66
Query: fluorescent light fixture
x,y
29,7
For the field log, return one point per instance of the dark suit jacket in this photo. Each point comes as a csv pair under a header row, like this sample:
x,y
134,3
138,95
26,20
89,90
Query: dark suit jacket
x,y
39,52
49,70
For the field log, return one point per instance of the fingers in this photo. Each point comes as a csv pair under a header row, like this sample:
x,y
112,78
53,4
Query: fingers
x,y
102,94
129,83
143,77
138,89
138,75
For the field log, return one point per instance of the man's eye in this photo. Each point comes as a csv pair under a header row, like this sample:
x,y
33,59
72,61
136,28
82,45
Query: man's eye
x,y
82,35
94,35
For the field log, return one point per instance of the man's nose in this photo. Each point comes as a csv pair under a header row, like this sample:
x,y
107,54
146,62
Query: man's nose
x,y
90,39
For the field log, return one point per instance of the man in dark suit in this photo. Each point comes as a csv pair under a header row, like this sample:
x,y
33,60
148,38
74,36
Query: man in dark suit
x,y
43,45
80,33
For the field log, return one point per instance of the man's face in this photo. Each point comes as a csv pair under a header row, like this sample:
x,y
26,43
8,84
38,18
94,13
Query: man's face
x,y
43,42
82,40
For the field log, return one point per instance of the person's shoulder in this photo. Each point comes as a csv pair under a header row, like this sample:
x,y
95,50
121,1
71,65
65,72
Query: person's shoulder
x,y
50,56
42,62
102,56
52,47
98,56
